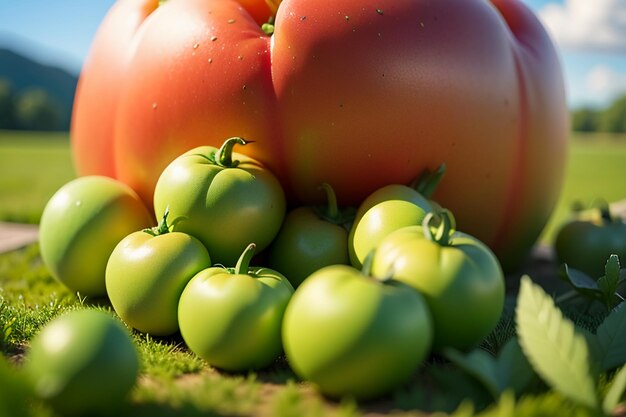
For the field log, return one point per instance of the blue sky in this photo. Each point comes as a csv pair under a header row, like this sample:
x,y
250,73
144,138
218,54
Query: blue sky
x,y
590,36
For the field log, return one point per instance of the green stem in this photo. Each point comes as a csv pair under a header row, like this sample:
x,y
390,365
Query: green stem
x,y
243,264
162,228
442,232
224,155
427,182
366,269
332,210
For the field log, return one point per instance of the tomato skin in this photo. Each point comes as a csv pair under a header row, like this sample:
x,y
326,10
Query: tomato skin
x,y
586,244
233,320
307,243
385,210
354,336
189,73
80,226
146,275
311,238
83,363
224,207
462,282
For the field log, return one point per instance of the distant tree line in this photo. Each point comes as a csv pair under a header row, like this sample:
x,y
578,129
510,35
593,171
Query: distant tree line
x,y
31,109
611,119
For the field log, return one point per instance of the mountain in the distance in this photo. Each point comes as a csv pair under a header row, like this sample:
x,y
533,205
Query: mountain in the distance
x,y
24,74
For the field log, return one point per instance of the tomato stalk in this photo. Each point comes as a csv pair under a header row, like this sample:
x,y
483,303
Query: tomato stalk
x,y
439,233
366,269
268,27
331,211
243,264
162,228
273,6
224,155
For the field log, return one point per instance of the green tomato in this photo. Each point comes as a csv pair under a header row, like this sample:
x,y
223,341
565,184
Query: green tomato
x,y
373,222
223,202
82,363
80,226
311,238
15,394
232,317
586,243
352,335
459,276
380,220
146,274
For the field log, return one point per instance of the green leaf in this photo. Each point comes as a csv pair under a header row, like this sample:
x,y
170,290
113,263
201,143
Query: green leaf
x,y
611,337
480,365
557,352
609,282
580,281
513,369
615,392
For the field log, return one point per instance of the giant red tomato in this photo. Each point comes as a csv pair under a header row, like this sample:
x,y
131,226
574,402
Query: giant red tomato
x,y
356,93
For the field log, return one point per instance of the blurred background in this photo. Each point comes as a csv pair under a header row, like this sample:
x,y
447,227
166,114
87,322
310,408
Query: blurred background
x,y
43,45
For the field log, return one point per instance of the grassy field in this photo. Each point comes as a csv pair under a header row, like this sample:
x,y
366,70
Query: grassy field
x,y
32,167
173,381
596,169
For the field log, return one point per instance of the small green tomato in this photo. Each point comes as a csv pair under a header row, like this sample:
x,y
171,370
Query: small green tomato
x,y
353,335
82,363
232,317
390,208
459,276
223,198
146,275
311,238
80,226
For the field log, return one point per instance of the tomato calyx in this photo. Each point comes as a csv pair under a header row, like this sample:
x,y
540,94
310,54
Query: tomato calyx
x,y
439,227
163,227
428,181
331,211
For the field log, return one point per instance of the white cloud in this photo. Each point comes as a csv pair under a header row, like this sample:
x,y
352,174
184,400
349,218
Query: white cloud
x,y
592,25
605,83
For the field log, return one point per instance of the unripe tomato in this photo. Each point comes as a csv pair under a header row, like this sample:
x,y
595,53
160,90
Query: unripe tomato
x,y
146,274
353,335
458,275
80,226
82,363
232,317
311,238
586,243
224,199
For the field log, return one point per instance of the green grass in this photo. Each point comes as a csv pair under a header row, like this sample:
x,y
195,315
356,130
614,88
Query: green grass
x,y
33,166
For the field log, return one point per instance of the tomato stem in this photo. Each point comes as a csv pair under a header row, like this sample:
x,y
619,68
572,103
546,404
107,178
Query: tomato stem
x,y
224,155
162,227
332,211
441,232
273,6
427,182
243,264
366,269
268,27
